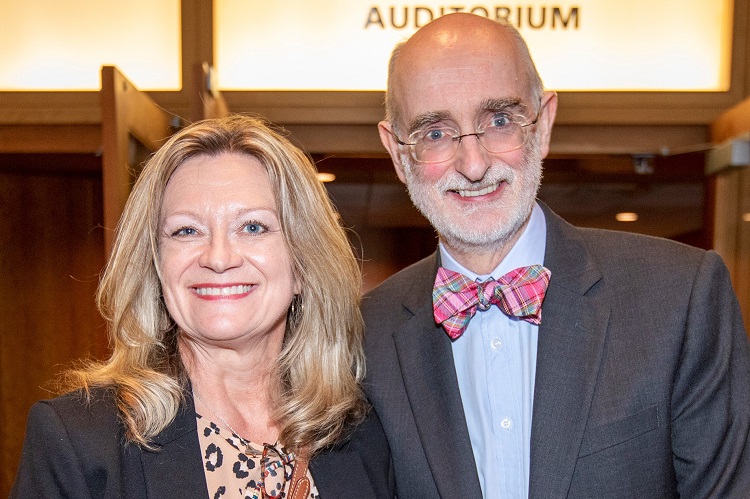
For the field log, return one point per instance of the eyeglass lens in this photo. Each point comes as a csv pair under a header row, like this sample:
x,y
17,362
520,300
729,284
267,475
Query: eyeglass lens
x,y
441,144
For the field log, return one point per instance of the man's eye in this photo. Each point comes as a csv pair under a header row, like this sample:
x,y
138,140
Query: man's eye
x,y
500,121
435,135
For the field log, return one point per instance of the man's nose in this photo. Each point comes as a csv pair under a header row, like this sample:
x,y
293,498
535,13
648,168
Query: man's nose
x,y
472,160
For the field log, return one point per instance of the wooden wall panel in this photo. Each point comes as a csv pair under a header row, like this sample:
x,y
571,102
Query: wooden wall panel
x,y
732,193
742,283
732,232
51,253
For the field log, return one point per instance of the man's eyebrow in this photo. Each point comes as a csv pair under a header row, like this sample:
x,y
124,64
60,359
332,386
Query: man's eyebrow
x,y
511,105
426,119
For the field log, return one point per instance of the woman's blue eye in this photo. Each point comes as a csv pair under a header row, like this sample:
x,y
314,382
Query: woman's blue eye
x,y
185,231
254,228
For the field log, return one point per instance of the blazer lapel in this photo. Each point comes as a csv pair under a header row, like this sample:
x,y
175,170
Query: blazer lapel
x,y
175,469
571,341
426,361
335,472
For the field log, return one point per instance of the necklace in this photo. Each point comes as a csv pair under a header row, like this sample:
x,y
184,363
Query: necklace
x,y
249,449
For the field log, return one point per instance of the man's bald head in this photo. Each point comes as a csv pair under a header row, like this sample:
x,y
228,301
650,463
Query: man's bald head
x,y
452,35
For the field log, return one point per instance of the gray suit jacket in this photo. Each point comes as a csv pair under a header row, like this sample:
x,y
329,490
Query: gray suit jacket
x,y
642,381
77,450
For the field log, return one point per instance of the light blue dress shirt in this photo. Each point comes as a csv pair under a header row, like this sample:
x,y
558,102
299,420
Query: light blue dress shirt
x,y
495,362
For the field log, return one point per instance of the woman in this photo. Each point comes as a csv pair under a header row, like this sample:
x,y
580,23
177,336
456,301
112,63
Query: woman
x,y
232,300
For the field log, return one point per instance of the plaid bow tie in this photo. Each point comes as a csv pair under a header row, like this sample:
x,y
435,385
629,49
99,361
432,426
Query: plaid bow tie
x,y
519,293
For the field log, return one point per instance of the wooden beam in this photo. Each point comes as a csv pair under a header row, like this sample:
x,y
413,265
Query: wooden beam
x,y
50,108
35,139
127,114
731,123
207,101
363,139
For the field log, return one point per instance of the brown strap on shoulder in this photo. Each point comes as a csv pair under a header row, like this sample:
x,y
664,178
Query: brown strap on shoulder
x,y
299,487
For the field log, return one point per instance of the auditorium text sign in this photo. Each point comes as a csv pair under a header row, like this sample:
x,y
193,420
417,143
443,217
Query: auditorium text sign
x,y
617,45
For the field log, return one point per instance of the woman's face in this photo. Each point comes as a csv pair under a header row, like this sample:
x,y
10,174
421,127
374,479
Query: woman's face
x,y
226,270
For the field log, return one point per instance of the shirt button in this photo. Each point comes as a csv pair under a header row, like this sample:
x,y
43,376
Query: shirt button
x,y
496,343
506,424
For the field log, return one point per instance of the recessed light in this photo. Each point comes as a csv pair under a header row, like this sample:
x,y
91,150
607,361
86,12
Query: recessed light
x,y
746,217
626,216
326,177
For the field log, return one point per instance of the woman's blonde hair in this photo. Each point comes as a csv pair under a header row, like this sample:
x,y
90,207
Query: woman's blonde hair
x,y
321,363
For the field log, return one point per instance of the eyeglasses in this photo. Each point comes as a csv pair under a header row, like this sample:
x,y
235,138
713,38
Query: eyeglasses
x,y
274,462
499,132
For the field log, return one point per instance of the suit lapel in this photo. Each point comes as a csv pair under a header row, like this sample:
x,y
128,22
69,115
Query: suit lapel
x,y
426,361
176,469
571,341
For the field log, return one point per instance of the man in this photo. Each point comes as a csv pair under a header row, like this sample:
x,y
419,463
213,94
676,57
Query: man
x,y
630,381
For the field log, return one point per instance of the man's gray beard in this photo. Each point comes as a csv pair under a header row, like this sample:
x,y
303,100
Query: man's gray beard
x,y
466,237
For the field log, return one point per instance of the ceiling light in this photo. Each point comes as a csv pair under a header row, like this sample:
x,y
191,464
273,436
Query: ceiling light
x,y
746,217
626,216
326,177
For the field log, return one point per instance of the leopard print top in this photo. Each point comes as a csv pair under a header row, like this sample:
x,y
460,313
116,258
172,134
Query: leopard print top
x,y
233,473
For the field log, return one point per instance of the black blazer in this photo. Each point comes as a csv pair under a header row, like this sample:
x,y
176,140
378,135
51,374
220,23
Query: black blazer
x,y
642,384
76,450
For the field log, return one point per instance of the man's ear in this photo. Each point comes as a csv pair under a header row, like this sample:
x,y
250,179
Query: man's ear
x,y
546,120
389,142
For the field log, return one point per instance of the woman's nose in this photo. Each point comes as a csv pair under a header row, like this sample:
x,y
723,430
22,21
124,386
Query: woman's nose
x,y
220,255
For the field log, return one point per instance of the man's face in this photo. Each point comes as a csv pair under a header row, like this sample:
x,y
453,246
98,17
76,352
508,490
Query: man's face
x,y
457,207
477,199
